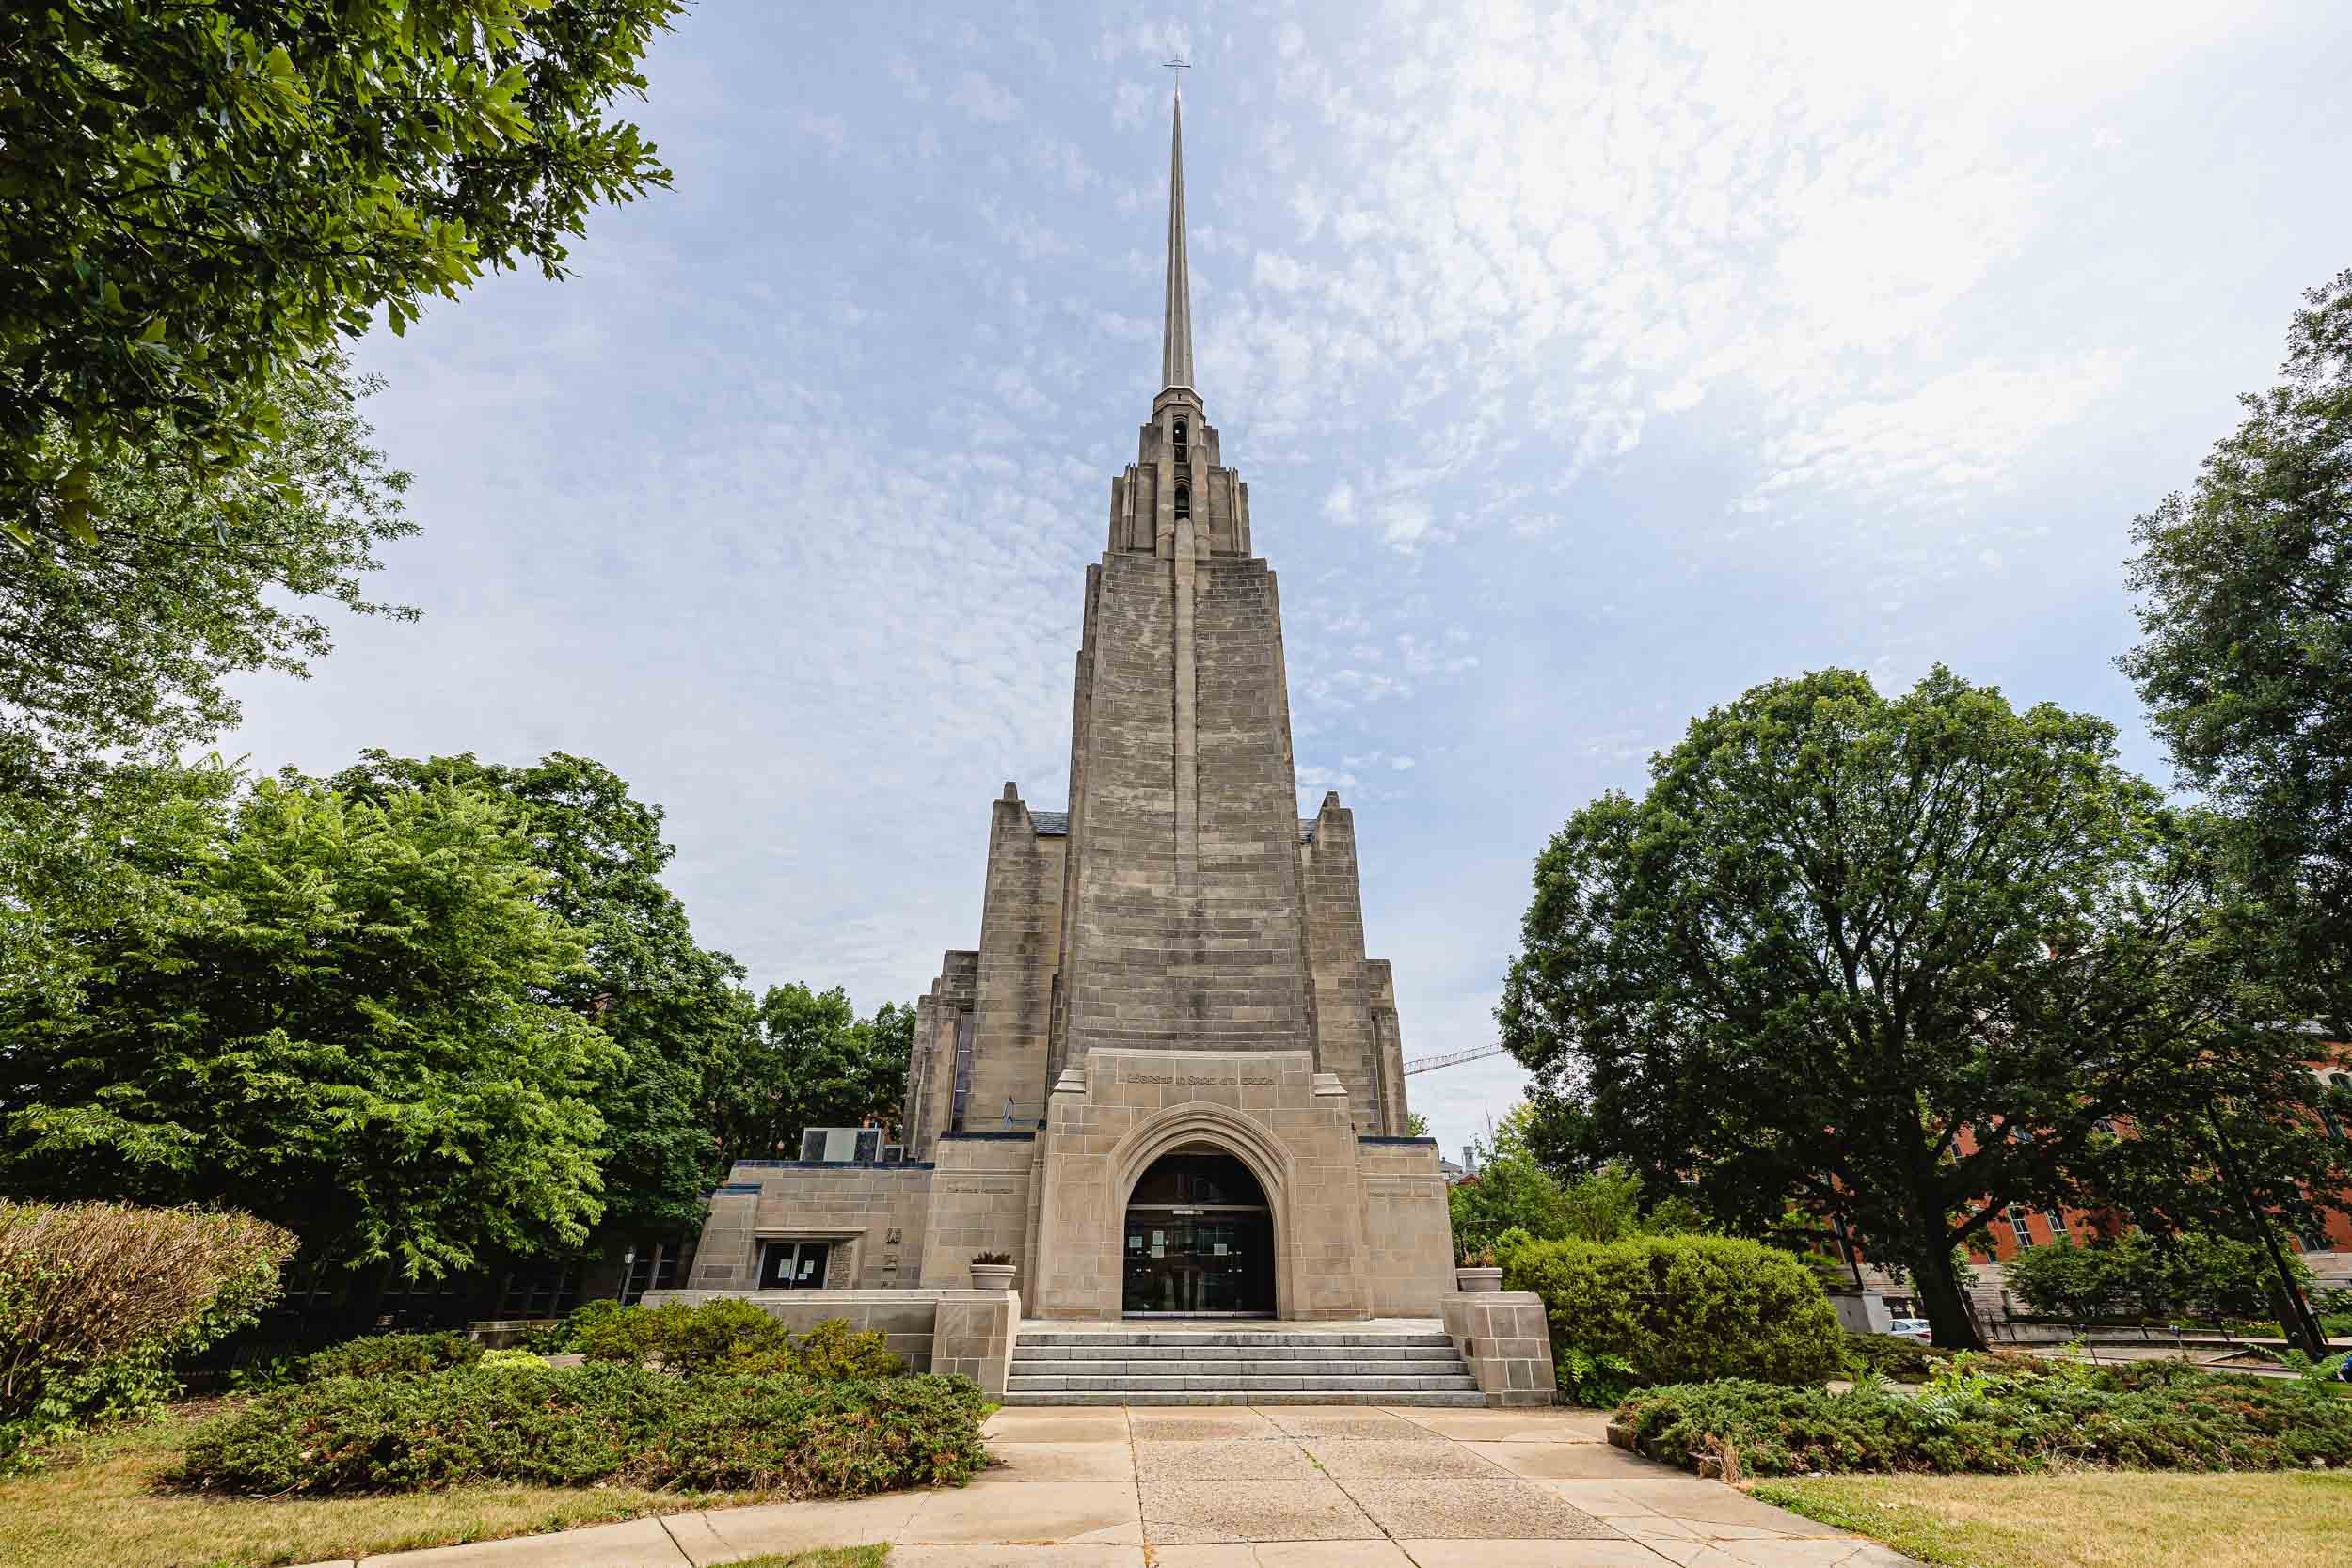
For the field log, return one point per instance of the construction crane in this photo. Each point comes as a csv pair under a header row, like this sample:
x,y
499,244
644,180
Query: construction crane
x,y
1452,1058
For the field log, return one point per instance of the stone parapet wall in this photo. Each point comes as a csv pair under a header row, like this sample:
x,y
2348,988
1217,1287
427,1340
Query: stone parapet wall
x,y
1505,1343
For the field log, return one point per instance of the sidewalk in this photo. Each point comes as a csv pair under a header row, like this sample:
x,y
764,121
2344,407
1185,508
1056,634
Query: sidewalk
x,y
1250,1488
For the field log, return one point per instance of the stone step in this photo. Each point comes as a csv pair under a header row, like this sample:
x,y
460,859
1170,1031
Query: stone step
x,y
1021,1366
1177,1383
1176,1339
1452,1400
1224,1355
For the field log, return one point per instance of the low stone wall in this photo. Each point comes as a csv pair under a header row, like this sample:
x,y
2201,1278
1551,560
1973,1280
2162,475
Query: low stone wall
x,y
936,1331
1506,1344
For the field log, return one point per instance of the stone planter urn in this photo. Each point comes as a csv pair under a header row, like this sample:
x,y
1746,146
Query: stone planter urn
x,y
1478,1281
992,1277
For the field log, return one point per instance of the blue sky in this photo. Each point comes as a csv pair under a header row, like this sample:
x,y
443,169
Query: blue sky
x,y
1587,367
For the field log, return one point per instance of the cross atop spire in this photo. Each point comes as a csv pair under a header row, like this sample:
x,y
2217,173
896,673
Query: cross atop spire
x,y
1176,338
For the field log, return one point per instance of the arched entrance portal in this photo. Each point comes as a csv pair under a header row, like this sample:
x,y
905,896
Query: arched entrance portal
x,y
1199,1240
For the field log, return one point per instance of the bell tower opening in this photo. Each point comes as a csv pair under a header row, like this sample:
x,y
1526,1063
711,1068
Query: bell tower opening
x,y
1199,1240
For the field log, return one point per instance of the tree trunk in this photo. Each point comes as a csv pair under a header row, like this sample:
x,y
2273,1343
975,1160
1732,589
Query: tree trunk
x,y
1941,1298
2296,1319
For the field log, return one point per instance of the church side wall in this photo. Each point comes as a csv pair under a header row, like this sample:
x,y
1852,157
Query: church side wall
x,y
1345,1042
1018,953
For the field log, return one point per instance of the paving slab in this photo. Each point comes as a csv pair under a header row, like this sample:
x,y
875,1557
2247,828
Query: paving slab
x,y
699,1538
1031,1462
1330,1554
1504,1509
1700,1502
1309,1508
1847,1552
1593,1553
1045,1424
1342,1420
1510,1426
1566,1461
788,1527
1017,1557
1042,1512
1230,1459
1198,1423
1386,1459
636,1543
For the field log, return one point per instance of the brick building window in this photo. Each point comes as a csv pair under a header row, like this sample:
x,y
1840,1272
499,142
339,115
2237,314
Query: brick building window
x,y
2018,1228
1184,500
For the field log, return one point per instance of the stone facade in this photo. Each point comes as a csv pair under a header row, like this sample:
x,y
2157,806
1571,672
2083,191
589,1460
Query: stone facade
x,y
1175,964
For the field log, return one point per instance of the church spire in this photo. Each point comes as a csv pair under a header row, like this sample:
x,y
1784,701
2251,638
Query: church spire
x,y
1176,338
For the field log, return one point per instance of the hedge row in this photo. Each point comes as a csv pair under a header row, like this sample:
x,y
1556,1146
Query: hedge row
x,y
580,1426
2020,1415
1677,1309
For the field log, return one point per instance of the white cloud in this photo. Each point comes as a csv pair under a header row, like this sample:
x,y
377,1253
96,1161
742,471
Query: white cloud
x,y
983,99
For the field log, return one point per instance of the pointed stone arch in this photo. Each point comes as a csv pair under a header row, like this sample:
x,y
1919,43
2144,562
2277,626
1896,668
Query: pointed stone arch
x,y
1230,1132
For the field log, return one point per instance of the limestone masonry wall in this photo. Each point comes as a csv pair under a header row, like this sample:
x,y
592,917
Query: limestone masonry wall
x,y
1020,953
875,1216
1408,1226
1245,986
1118,979
980,1203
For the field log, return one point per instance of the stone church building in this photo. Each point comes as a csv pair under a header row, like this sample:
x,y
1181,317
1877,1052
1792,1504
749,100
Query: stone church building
x,y
1168,1081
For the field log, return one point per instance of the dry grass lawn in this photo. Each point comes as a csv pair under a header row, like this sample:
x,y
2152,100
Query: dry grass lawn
x,y
2091,1519
96,1506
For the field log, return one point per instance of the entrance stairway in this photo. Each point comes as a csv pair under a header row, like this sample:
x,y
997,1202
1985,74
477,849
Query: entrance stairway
x,y
1240,1365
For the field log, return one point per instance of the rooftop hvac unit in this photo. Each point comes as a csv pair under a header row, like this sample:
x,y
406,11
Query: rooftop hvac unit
x,y
840,1146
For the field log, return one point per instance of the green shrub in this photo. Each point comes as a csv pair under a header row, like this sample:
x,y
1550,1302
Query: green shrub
x,y
2000,1416
393,1356
1892,1355
511,1360
98,1300
1679,1309
730,1335
833,1351
595,1424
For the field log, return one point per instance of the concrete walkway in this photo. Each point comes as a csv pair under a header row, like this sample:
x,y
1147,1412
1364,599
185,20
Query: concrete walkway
x,y
1276,1486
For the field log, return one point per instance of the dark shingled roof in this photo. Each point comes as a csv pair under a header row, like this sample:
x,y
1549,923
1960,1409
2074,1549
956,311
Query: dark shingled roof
x,y
1051,824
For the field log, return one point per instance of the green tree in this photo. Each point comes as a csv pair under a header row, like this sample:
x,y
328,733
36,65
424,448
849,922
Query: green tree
x,y
199,200
123,645
2245,589
812,1062
341,1028
679,1011
1899,959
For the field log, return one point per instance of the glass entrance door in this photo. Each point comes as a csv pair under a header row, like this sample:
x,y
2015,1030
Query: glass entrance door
x,y
1199,1241
794,1265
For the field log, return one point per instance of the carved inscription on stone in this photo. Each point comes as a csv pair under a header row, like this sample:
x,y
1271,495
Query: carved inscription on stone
x,y
1196,1078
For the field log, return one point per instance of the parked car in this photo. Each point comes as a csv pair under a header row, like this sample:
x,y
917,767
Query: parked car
x,y
1911,1328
